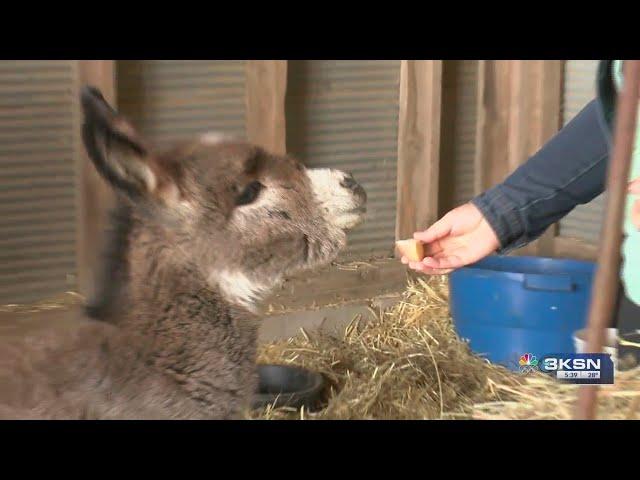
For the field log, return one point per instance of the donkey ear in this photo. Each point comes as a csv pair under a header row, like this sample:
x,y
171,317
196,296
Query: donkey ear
x,y
116,149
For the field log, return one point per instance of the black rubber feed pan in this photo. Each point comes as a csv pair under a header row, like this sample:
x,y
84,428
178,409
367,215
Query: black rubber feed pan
x,y
285,386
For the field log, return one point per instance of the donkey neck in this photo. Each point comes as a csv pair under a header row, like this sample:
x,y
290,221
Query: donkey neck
x,y
158,272
162,281
181,326
139,270
147,281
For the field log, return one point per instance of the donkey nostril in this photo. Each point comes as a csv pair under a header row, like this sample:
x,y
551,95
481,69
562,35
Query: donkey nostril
x,y
356,189
349,182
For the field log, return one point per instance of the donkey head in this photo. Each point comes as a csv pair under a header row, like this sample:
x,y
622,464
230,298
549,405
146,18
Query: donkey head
x,y
239,216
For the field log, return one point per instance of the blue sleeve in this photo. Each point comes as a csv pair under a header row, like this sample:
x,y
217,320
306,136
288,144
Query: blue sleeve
x,y
569,170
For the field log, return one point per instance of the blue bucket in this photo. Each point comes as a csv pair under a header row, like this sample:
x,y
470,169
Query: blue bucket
x,y
508,306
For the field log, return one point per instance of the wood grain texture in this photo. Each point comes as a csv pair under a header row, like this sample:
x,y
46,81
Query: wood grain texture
x,y
494,96
547,122
95,198
418,145
519,105
566,247
265,100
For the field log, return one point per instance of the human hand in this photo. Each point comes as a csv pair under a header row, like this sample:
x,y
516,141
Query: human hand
x,y
460,238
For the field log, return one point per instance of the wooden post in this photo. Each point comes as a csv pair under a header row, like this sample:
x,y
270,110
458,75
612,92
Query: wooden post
x,y
492,152
547,120
547,89
605,285
481,129
265,101
418,145
95,198
518,111
519,101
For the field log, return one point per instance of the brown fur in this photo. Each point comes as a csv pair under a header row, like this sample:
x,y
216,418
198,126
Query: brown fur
x,y
197,245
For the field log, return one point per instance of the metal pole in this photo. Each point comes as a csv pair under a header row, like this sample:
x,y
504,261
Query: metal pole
x,y
605,286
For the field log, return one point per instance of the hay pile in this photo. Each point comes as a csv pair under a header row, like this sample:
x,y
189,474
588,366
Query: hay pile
x,y
539,397
410,364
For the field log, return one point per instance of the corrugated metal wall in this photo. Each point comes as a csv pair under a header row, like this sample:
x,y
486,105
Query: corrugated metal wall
x,y
585,221
344,114
38,147
170,100
464,98
341,114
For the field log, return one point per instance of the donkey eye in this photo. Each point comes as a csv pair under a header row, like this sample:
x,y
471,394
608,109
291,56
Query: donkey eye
x,y
249,194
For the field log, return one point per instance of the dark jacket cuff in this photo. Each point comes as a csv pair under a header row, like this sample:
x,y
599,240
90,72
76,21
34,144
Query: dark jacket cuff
x,y
503,216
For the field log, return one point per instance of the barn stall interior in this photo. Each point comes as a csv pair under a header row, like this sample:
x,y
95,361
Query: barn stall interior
x,y
420,136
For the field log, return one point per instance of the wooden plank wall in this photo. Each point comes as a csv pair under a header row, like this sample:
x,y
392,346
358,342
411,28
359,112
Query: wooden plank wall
x,y
519,104
418,145
518,111
265,92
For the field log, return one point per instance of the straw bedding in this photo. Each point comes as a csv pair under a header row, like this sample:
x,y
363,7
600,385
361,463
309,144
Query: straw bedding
x,y
407,364
410,364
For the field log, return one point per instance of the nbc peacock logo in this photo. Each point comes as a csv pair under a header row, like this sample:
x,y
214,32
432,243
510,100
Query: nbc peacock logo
x,y
528,363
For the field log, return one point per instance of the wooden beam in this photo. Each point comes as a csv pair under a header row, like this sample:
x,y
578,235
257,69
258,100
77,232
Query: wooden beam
x,y
547,122
519,102
331,286
265,102
567,247
518,112
418,145
492,139
548,75
449,136
95,199
479,160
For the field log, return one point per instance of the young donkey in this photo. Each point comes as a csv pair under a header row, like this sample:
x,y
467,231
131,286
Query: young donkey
x,y
205,231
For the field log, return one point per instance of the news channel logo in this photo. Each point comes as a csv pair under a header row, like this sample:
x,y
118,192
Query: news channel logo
x,y
577,368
